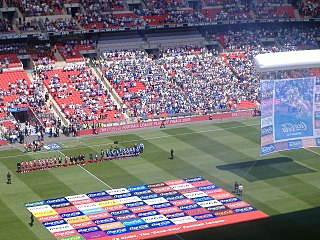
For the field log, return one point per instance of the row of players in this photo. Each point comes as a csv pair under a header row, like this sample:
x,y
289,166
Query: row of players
x,y
53,162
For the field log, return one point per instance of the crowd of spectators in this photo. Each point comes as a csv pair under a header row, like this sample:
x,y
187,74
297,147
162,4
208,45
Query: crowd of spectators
x,y
309,9
31,8
5,25
60,24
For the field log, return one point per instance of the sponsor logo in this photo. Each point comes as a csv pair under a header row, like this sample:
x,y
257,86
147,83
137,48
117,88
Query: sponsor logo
x,y
190,206
141,209
294,127
134,204
318,141
52,146
229,200
175,197
266,140
147,214
133,222
267,149
109,203
175,182
209,187
124,195
162,205
120,212
56,201
317,115
209,203
188,190
150,196
244,209
77,197
145,192
160,224
202,199
164,194
88,230
204,216
175,215
115,208
182,186
61,205
69,235
316,124
40,208
137,188
87,206
266,121
280,146
104,198
82,218
266,131
162,189
237,204
113,225
196,211
117,191
44,213
182,220
195,179
155,201
201,183
72,214
195,194
60,228
99,215
223,212
97,194
104,220
156,185
54,223
216,208
34,204
182,202
117,231
49,218
156,218
83,201
308,142
295,144
94,235
138,228
129,199
82,224
125,217
224,195
169,210
93,210
213,191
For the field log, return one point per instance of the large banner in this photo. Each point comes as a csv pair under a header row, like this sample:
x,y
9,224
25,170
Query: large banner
x,y
142,212
290,114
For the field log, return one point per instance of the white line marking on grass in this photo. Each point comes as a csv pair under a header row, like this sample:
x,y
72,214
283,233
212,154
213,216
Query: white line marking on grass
x,y
89,173
135,140
179,237
95,176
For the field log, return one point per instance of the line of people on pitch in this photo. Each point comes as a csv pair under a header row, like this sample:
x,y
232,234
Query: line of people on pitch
x,y
117,152
53,162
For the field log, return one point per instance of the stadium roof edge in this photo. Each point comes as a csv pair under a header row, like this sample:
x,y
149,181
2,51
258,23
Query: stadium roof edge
x,y
287,60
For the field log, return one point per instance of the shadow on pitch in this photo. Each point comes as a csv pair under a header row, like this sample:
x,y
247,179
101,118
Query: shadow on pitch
x,y
266,168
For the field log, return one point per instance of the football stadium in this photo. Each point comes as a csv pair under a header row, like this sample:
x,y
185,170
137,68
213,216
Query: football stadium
x,y
159,119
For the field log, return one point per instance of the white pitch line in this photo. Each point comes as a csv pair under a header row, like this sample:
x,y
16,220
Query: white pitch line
x,y
89,173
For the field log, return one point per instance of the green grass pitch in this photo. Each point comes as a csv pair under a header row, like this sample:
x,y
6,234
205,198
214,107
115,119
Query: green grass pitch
x,y
284,185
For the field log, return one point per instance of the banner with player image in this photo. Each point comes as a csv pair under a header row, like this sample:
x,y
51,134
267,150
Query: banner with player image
x,y
290,114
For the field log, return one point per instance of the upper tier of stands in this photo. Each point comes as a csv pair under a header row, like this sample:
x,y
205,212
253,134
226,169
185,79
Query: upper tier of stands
x,y
98,14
